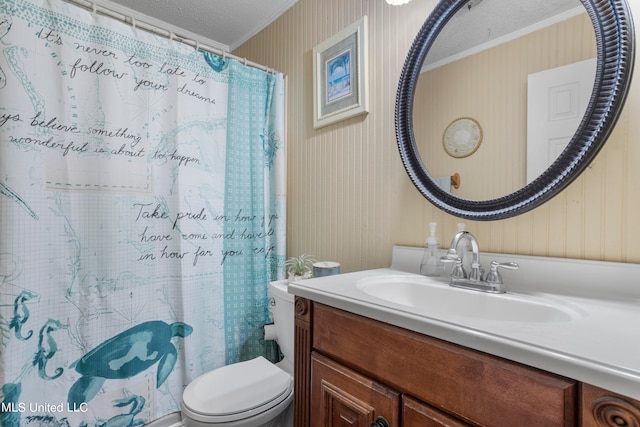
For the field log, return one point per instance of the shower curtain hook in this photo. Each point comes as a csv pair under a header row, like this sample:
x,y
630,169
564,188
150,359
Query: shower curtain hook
x,y
245,62
197,45
171,35
94,8
133,22
224,55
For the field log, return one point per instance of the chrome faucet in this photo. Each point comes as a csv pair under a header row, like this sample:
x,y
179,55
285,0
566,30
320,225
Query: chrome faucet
x,y
452,256
459,278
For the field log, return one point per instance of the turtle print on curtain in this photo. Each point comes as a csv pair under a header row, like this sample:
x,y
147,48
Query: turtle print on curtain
x,y
142,214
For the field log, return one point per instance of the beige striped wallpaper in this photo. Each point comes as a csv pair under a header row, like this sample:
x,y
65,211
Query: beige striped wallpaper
x,y
349,199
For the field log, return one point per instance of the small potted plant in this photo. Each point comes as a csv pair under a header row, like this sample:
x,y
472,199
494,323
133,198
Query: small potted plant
x,y
299,267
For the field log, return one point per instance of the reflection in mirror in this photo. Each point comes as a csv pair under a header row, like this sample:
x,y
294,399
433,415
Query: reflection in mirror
x,y
479,67
615,40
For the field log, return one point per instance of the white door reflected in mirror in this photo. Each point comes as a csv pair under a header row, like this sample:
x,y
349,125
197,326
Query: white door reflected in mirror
x,y
556,102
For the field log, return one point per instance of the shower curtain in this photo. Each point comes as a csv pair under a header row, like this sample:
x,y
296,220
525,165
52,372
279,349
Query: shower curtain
x,y
142,214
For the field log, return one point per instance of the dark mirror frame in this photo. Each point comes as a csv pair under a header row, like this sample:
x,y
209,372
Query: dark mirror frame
x,y
615,41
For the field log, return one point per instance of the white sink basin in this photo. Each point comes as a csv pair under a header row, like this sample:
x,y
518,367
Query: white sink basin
x,y
434,298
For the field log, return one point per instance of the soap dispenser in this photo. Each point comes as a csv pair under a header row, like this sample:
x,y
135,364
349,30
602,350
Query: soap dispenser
x,y
431,264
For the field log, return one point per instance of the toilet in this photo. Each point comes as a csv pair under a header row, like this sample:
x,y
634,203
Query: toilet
x,y
254,393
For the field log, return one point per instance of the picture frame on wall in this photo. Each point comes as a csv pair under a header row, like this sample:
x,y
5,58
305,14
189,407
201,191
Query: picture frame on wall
x,y
340,75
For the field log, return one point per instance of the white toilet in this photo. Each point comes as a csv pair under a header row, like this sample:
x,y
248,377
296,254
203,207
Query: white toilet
x,y
255,393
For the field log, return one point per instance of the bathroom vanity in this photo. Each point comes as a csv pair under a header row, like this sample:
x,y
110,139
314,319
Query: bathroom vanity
x,y
364,359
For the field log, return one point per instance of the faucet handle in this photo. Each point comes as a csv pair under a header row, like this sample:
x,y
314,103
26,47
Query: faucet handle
x,y
494,275
458,270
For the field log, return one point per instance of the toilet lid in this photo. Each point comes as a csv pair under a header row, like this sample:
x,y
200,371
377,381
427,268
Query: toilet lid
x,y
238,388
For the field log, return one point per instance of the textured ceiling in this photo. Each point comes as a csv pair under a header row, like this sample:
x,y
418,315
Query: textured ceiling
x,y
488,20
227,22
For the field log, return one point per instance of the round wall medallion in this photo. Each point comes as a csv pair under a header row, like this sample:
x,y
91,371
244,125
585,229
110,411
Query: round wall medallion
x,y
462,137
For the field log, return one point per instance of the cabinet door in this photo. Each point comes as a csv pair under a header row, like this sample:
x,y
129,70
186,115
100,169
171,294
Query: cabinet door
x,y
419,414
341,397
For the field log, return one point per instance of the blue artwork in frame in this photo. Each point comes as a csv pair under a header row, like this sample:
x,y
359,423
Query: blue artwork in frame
x,y
340,75
338,71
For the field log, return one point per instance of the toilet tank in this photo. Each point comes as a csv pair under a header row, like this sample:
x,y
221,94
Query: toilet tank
x,y
281,306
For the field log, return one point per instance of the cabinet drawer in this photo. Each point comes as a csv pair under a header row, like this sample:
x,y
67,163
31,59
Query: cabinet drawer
x,y
465,383
342,397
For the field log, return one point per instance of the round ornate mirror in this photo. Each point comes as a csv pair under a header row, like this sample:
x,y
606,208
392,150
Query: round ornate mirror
x,y
614,43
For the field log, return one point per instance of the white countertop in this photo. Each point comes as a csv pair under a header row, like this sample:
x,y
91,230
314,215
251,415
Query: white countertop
x,y
599,345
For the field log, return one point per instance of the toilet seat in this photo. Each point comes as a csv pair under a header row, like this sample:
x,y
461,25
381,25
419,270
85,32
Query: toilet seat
x,y
236,392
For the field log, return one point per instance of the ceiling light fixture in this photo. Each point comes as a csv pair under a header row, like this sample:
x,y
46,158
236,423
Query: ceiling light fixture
x,y
397,2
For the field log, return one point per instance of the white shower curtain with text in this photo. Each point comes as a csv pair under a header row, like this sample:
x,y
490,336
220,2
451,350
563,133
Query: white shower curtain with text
x,y
142,214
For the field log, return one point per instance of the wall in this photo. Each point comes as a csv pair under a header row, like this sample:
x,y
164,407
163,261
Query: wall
x,y
349,198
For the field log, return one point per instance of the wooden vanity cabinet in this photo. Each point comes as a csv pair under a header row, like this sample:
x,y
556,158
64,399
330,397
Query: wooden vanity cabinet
x,y
353,371
350,370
